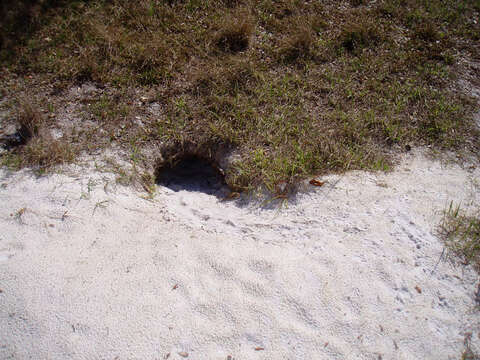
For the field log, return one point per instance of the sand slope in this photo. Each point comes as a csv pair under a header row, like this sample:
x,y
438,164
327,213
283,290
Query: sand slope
x,y
351,270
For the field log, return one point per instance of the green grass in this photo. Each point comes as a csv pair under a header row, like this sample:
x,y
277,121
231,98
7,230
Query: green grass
x,y
293,87
461,234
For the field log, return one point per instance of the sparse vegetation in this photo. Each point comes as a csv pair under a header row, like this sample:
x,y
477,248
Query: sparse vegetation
x,y
461,234
292,87
468,353
35,146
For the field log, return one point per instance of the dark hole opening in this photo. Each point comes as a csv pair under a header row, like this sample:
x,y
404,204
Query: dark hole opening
x,y
193,173
19,138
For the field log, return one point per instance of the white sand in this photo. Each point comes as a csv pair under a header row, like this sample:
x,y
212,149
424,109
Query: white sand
x,y
93,271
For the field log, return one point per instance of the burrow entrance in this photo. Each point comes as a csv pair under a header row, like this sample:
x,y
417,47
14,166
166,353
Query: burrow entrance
x,y
193,173
18,138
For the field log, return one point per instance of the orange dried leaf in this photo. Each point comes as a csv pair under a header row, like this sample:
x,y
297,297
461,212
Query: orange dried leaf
x,y
232,196
316,182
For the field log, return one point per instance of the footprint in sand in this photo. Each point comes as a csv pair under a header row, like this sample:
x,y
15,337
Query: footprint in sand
x,y
5,255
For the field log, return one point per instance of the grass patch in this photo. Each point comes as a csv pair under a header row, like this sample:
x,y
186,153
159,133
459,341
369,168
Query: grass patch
x,y
461,234
292,87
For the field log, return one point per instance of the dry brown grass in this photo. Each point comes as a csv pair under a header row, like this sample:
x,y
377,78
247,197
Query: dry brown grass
x,y
297,46
30,120
427,31
38,149
43,153
231,75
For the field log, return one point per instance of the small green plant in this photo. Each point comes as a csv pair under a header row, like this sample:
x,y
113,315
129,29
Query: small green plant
x,y
461,234
18,215
101,205
90,186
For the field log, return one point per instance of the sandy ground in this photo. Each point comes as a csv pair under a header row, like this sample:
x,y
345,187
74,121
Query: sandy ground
x,y
350,270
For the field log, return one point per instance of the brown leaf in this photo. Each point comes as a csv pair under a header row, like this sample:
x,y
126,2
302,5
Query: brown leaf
x,y
258,348
232,196
316,182
175,287
418,289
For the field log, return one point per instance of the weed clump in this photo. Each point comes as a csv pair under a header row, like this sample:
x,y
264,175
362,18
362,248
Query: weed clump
x,y
34,145
43,153
29,121
357,36
427,32
297,46
461,234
